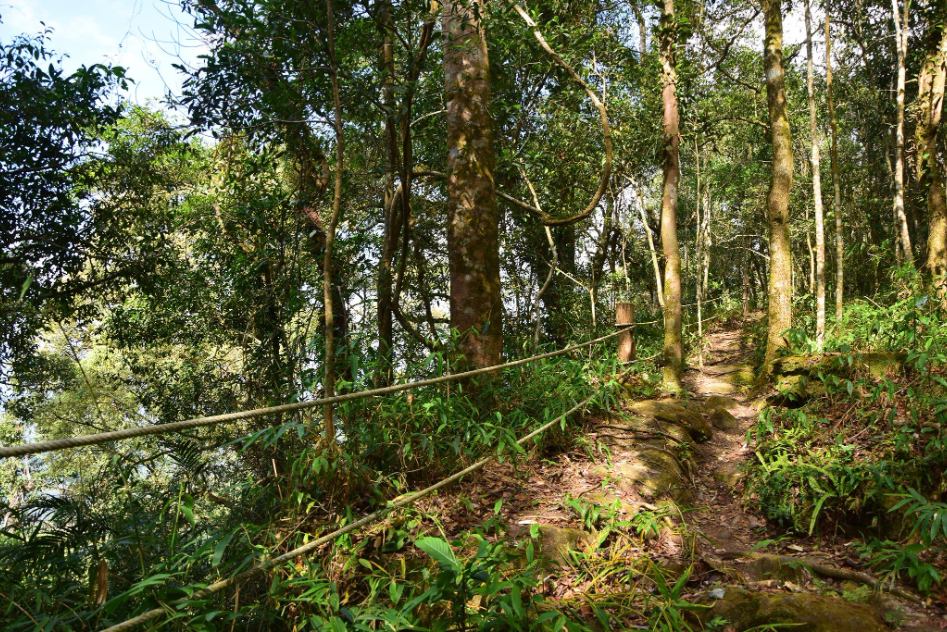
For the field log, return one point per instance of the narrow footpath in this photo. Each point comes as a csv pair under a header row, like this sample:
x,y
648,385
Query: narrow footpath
x,y
654,486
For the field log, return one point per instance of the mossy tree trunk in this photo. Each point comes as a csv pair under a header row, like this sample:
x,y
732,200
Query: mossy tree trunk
x,y
931,100
777,204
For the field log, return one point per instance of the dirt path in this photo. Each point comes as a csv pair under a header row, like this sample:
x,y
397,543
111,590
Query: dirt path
x,y
722,518
726,525
646,455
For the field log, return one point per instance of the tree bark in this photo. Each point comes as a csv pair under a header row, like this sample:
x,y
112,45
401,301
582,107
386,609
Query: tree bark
x,y
327,277
901,38
931,99
391,223
836,186
814,159
624,317
673,329
472,217
777,203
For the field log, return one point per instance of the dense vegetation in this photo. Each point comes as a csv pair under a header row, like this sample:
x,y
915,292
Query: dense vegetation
x,y
348,195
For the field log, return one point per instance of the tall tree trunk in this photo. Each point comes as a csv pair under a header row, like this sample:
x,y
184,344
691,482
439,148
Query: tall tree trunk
x,y
814,158
392,220
836,186
673,329
476,310
901,38
327,276
931,101
777,203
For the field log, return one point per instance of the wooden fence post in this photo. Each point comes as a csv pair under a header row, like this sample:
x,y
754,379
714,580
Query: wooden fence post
x,y
624,319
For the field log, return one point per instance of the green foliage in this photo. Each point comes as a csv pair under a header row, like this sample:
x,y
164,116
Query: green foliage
x,y
667,607
884,443
49,125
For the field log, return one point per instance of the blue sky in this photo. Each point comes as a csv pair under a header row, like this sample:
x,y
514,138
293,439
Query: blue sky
x,y
144,36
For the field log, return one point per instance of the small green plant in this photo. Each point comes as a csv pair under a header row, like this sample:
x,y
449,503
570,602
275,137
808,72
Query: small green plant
x,y
648,523
667,607
894,559
480,595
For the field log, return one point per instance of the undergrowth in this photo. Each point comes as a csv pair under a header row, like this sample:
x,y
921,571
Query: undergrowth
x,y
154,523
862,449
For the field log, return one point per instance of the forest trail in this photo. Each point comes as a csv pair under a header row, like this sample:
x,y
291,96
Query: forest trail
x,y
771,585
726,370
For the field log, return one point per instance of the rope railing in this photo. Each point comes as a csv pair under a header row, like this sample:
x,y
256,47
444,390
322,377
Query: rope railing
x,y
270,563
66,443
264,566
176,426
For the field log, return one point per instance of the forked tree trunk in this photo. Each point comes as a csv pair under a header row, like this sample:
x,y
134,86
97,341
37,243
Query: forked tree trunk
x,y
476,311
931,101
836,186
673,343
901,39
777,203
814,158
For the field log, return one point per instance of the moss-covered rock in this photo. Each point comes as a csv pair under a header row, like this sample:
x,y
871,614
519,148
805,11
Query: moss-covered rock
x,y
556,542
875,363
718,401
806,612
723,419
673,412
638,430
728,473
654,473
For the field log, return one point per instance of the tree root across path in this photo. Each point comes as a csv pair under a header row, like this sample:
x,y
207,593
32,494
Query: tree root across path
x,y
826,570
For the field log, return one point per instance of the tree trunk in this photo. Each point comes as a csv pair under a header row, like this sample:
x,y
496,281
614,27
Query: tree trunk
x,y
836,187
642,30
392,220
327,286
639,195
476,310
931,98
901,39
777,203
814,158
673,331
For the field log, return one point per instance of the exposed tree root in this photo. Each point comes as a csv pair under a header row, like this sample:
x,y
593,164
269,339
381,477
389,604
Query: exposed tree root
x,y
830,571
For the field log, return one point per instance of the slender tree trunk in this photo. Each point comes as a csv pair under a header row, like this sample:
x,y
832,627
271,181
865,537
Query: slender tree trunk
x,y
901,37
476,310
392,220
329,382
814,158
836,186
931,100
673,326
639,195
537,316
699,248
777,204
642,30
810,288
